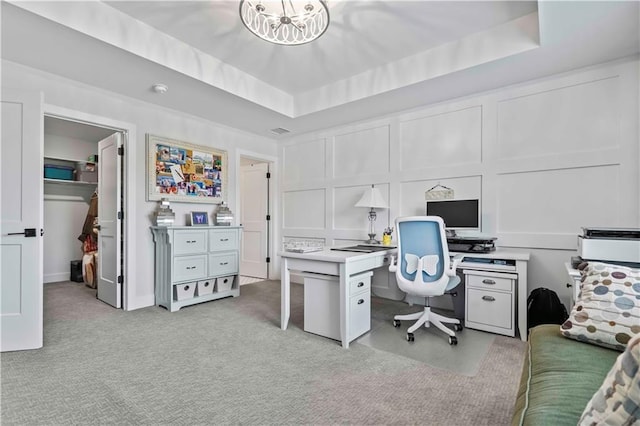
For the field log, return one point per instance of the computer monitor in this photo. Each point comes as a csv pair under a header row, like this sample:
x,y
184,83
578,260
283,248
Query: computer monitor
x,y
456,214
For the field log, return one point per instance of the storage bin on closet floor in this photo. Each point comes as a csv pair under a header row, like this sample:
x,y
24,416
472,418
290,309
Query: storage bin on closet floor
x,y
224,283
184,291
205,287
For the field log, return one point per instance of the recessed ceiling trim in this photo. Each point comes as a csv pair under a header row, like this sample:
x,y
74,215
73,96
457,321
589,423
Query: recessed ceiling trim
x,y
103,22
511,38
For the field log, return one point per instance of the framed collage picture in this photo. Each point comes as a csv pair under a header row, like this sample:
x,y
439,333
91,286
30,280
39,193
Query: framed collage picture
x,y
183,172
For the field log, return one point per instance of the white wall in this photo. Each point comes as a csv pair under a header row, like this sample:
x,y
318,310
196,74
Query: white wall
x,y
546,158
147,118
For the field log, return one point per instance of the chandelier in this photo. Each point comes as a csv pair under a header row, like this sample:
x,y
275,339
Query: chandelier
x,y
288,22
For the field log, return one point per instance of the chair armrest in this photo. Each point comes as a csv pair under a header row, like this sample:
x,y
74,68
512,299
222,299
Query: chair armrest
x,y
455,261
392,264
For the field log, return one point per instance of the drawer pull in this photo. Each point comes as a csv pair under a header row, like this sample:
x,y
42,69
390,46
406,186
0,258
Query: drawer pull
x,y
487,281
360,301
224,263
224,239
489,298
191,241
360,284
191,267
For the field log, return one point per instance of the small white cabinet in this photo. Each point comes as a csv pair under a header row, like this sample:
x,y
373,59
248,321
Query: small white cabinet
x,y
195,264
490,301
322,305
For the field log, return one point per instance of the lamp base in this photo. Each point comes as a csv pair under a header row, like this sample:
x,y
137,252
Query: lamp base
x,y
372,240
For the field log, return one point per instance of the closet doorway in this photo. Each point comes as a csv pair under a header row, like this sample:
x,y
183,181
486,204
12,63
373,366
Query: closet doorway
x,y
255,219
83,206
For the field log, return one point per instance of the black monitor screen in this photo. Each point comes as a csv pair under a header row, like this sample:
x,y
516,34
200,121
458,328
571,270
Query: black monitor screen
x,y
456,213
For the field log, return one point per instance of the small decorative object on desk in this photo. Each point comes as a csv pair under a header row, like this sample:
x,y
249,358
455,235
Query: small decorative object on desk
x,y
199,219
386,236
303,246
164,216
224,216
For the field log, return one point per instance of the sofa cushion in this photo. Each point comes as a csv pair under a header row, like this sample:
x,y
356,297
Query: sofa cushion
x,y
559,377
617,402
607,311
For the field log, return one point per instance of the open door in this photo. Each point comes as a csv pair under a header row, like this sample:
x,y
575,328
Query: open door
x,y
110,220
21,158
255,226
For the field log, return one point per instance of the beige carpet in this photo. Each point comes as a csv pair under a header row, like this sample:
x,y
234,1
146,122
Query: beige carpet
x,y
228,362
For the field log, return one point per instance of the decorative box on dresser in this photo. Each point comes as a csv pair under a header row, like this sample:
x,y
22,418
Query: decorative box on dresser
x,y
195,264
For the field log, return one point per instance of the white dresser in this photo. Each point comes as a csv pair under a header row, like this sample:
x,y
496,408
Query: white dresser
x,y
195,264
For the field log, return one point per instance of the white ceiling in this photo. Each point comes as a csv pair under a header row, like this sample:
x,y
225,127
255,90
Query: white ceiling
x,y
377,57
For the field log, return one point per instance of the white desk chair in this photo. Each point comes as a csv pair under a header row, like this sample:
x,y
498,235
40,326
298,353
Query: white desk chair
x,y
423,269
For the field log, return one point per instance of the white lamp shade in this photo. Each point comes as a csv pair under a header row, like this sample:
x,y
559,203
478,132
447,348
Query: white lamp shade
x,y
372,198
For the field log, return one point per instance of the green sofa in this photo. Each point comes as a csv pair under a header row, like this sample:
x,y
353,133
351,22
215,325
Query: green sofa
x,y
559,377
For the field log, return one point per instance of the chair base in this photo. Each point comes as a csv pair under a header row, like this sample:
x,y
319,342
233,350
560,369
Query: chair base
x,y
426,318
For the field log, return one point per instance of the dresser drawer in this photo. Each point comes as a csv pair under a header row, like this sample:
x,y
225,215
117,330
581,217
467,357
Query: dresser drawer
x,y
223,239
189,268
490,281
223,264
489,308
359,314
189,242
359,283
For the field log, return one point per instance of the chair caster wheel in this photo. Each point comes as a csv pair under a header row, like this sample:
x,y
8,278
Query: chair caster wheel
x,y
396,323
457,327
453,340
410,337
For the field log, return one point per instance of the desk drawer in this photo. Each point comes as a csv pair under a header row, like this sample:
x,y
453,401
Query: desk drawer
x,y
489,308
223,264
189,242
359,314
223,239
359,283
489,282
189,268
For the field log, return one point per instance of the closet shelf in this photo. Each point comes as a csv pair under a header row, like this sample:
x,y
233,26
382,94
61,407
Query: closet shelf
x,y
69,182
70,160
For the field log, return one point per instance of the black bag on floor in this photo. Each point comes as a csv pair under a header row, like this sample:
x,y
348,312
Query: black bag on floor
x,y
544,307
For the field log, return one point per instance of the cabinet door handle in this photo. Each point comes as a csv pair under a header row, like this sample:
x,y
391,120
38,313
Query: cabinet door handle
x,y
489,298
487,281
569,285
360,284
360,301
224,263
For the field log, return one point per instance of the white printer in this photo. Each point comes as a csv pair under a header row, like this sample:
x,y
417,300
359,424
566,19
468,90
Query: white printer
x,y
610,244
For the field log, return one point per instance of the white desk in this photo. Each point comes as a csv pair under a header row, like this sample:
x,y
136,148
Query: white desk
x,y
341,264
346,264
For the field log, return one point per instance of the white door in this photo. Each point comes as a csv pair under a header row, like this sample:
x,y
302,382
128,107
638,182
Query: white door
x,y
254,209
109,219
21,158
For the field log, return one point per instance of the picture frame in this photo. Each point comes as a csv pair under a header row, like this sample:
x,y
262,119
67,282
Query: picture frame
x,y
199,219
184,172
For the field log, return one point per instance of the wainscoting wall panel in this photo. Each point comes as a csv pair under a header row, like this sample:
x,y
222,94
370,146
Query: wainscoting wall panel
x,y
557,203
364,152
304,161
545,158
304,210
444,139
575,118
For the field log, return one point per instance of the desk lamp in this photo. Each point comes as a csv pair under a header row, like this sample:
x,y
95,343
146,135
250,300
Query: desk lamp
x,y
372,199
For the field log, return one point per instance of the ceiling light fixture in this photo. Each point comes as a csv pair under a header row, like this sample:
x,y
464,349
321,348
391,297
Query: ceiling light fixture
x,y
288,22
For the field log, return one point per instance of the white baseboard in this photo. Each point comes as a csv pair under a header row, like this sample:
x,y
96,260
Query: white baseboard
x,y
57,277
